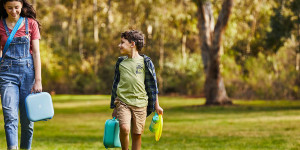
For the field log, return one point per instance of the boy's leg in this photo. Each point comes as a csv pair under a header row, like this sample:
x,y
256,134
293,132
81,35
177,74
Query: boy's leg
x,y
124,117
124,136
139,115
136,141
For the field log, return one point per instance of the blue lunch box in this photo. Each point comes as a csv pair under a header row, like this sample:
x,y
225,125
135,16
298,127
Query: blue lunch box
x,y
39,106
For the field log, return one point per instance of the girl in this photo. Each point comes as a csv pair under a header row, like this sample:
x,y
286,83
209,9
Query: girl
x,y
20,69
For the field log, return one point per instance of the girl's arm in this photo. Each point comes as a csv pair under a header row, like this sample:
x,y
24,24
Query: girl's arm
x,y
37,86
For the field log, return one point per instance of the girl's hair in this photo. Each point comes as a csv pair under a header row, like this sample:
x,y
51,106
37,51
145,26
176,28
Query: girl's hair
x,y
136,36
27,10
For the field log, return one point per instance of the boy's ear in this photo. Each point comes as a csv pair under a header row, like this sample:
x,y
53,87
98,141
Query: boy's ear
x,y
132,44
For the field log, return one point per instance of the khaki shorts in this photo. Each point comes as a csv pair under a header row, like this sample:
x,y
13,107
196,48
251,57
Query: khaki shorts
x,y
131,116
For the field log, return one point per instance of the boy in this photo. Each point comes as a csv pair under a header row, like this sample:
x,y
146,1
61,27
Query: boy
x,y
134,91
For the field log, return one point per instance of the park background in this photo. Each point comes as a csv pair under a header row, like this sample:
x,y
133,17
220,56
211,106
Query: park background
x,y
259,52
257,61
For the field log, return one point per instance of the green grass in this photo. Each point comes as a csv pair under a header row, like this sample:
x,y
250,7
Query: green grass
x,y
79,120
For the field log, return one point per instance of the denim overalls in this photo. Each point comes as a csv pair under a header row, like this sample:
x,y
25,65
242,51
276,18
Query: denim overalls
x,y
16,81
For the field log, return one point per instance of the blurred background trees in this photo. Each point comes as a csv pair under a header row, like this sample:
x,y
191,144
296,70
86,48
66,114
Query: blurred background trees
x,y
259,55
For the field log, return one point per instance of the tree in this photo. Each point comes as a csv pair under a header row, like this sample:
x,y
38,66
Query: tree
x,y
210,39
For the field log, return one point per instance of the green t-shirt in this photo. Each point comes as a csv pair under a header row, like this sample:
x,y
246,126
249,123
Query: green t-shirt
x,y
131,88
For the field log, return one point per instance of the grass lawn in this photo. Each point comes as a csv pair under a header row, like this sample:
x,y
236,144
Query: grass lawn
x,y
79,120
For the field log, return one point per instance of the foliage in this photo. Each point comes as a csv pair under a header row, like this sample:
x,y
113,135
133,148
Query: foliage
x,y
187,79
281,24
274,76
75,62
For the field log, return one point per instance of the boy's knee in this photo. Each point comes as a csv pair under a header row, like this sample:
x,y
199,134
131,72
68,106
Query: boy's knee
x,y
125,129
136,134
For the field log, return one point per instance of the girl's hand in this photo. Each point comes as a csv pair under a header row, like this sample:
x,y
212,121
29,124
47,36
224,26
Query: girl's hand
x,y
37,87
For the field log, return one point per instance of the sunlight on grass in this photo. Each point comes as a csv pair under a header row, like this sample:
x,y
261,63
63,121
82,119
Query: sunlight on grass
x,y
78,124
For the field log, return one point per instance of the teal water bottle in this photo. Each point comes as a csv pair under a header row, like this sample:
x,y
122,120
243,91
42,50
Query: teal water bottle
x,y
153,126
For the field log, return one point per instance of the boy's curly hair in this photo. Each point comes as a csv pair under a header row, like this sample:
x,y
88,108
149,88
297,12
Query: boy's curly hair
x,y
136,36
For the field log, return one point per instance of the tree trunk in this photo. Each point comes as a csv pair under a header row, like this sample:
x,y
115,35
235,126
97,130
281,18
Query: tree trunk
x,y
251,36
70,34
70,27
183,48
79,29
161,61
298,52
109,16
210,39
96,36
205,26
70,42
133,13
95,18
109,20
297,61
184,36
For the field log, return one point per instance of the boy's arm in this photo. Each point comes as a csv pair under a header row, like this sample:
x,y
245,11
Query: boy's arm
x,y
113,93
152,89
158,109
115,84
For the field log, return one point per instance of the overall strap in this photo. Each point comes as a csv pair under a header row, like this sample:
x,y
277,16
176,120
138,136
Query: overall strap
x,y
11,36
5,26
26,26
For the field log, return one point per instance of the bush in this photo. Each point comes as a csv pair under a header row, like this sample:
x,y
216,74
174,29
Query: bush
x,y
184,78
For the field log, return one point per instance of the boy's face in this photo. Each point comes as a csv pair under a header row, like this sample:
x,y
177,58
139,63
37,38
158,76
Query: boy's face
x,y
125,46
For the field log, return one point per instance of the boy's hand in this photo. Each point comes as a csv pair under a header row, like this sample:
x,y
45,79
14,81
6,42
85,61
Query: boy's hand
x,y
159,110
114,114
